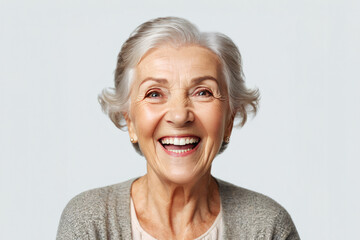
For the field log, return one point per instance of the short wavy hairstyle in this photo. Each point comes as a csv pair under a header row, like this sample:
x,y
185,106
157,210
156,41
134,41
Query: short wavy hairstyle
x,y
177,32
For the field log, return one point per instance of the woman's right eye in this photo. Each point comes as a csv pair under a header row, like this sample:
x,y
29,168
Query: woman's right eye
x,y
153,94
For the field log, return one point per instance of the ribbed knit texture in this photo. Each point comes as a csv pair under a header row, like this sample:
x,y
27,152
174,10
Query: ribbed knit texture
x,y
104,213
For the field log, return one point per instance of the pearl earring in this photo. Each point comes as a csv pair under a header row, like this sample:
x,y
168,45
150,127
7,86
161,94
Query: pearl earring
x,y
227,139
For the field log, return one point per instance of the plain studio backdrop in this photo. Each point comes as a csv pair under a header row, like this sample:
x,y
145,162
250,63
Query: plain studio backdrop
x,y
302,149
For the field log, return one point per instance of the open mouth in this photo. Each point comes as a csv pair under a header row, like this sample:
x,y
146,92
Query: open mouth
x,y
179,145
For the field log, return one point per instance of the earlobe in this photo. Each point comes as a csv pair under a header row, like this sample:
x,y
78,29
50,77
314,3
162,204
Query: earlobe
x,y
131,128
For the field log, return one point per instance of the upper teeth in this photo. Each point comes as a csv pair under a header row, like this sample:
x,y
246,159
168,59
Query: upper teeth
x,y
179,141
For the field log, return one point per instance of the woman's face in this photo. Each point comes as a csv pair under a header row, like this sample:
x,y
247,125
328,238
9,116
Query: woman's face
x,y
179,112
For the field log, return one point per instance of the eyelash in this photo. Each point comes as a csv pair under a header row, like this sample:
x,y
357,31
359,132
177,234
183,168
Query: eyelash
x,y
149,93
207,91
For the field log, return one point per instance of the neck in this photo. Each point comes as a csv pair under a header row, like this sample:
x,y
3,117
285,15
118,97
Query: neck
x,y
177,208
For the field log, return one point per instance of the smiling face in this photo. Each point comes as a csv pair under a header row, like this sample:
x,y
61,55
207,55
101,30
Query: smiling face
x,y
179,112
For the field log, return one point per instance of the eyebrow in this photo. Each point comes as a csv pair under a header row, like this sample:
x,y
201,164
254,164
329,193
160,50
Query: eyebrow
x,y
195,80
203,78
159,80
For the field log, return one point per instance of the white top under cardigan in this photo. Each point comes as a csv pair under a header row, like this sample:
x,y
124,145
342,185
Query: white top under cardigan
x,y
215,232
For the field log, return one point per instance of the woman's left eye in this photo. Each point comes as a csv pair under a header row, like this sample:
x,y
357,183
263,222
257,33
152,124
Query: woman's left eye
x,y
204,93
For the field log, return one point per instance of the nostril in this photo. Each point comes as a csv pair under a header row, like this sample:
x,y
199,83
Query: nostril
x,y
180,117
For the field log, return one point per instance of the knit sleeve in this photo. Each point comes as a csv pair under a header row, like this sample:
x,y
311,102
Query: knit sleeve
x,y
72,225
284,227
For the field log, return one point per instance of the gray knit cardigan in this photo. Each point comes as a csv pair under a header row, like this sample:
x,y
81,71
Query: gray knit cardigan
x,y
104,213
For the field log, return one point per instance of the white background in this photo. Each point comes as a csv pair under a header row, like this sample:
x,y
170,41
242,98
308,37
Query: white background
x,y
302,149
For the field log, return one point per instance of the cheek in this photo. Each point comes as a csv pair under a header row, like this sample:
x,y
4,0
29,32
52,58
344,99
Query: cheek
x,y
212,117
146,118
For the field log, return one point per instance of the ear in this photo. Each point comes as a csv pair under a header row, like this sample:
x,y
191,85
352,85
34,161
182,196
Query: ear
x,y
131,127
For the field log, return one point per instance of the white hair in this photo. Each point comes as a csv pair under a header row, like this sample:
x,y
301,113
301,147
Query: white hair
x,y
177,32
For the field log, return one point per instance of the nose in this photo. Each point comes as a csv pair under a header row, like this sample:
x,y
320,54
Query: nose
x,y
179,112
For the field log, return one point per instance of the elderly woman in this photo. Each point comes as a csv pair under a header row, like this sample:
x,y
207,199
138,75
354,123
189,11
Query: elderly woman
x,y
178,91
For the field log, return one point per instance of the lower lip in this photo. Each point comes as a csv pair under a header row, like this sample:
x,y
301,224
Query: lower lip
x,y
174,154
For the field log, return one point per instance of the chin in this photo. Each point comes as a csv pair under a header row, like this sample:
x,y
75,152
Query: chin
x,y
183,177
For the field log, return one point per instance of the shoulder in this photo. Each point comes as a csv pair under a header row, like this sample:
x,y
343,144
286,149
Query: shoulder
x,y
89,212
247,200
254,214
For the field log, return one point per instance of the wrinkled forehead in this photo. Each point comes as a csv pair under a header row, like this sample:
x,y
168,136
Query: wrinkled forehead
x,y
182,63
